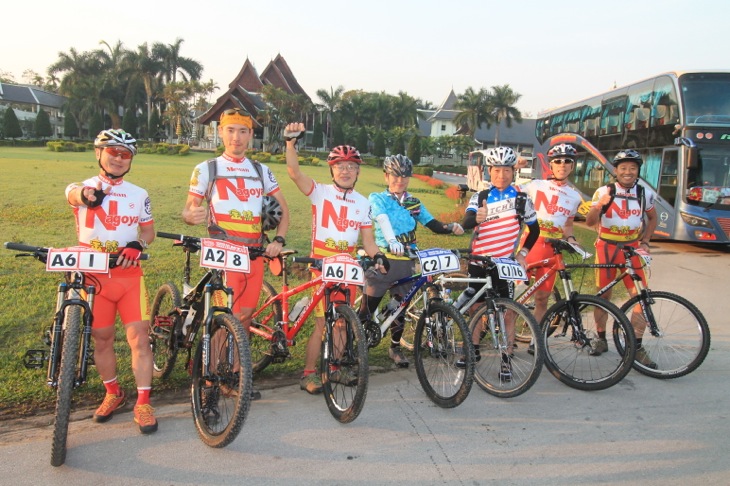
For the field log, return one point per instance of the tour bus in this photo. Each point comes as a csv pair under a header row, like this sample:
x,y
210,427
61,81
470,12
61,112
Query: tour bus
x,y
680,123
477,176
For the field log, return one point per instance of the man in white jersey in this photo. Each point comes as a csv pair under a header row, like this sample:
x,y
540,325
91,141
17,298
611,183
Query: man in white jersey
x,y
114,216
498,214
234,209
617,211
556,204
339,216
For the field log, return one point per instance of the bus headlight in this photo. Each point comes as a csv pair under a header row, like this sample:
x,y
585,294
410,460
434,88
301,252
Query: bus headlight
x,y
693,220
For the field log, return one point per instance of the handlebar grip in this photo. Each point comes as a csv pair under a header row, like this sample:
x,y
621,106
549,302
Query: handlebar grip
x,y
170,236
309,260
21,247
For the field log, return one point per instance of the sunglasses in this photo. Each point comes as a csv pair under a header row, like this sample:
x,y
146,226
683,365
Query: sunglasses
x,y
117,152
236,111
561,161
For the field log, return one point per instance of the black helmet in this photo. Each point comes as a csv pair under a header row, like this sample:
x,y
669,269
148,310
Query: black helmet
x,y
627,156
270,213
398,165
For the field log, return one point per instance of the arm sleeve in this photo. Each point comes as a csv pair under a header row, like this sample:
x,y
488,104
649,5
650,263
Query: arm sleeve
x,y
437,227
532,236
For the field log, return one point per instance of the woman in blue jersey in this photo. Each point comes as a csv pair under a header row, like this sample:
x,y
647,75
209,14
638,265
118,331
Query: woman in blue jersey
x,y
396,214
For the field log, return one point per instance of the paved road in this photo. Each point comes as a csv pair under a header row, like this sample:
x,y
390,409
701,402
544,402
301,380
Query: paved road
x,y
643,430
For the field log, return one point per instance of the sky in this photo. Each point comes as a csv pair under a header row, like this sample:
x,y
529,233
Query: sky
x,y
551,52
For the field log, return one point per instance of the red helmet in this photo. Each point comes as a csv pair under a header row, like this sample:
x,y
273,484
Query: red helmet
x,y
344,153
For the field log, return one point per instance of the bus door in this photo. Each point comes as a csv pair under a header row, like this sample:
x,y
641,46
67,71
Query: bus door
x,y
475,177
669,182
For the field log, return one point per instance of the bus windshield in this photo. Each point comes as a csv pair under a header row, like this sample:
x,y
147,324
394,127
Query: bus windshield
x,y
706,98
709,183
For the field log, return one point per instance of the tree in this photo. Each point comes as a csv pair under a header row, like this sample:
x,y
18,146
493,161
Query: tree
x,y
398,146
173,63
129,122
414,150
96,124
338,134
70,128
155,125
379,149
475,109
146,66
503,100
330,103
362,140
43,127
317,134
11,125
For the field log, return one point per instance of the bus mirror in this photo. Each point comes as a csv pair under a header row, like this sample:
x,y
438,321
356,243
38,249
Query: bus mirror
x,y
691,156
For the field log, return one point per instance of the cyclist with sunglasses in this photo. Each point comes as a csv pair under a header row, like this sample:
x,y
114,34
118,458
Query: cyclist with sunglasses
x,y
397,213
618,211
114,216
340,216
233,209
556,204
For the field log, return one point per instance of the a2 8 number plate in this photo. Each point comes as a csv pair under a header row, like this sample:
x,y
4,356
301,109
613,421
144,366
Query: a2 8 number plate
x,y
509,269
222,255
438,260
77,259
342,269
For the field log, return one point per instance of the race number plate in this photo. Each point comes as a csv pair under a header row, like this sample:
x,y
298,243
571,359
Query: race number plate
x,y
77,259
509,269
438,260
644,256
222,255
342,269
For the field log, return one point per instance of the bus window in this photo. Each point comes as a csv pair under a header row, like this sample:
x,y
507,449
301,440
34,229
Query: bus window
x,y
669,174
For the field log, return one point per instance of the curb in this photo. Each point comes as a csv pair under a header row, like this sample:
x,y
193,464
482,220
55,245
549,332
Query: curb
x,y
449,173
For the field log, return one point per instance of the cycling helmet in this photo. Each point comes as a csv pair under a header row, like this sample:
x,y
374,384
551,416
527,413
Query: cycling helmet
x,y
398,165
270,213
344,153
500,157
116,138
562,151
627,156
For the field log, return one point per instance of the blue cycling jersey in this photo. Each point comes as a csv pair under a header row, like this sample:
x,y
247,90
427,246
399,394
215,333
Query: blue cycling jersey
x,y
404,214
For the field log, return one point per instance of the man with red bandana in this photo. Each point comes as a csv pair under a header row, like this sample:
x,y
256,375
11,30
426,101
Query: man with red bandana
x,y
339,216
114,216
234,210
618,211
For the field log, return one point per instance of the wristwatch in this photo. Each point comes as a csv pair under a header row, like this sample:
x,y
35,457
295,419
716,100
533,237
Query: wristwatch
x,y
524,252
280,239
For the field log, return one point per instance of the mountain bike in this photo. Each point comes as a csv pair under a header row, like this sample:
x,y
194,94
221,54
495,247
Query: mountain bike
x,y
489,325
440,337
70,350
221,368
344,358
674,332
569,328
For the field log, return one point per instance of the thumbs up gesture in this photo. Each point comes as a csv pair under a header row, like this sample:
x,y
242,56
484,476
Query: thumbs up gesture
x,y
482,212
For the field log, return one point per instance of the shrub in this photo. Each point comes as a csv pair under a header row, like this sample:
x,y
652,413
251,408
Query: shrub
x,y
423,170
184,150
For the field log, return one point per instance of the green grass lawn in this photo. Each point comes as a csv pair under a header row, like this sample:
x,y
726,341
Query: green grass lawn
x,y
34,211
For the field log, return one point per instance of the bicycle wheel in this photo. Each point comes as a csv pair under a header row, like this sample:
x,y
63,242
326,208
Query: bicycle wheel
x,y
222,397
413,314
66,378
442,339
261,348
344,365
523,334
680,340
164,325
568,329
493,348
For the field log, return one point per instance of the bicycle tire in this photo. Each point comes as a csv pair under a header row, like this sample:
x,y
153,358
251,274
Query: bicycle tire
x,y
522,335
525,367
436,355
261,352
165,325
684,339
567,354
66,380
221,400
344,378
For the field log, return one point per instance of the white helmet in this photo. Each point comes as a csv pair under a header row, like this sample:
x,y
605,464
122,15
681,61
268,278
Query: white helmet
x,y
500,157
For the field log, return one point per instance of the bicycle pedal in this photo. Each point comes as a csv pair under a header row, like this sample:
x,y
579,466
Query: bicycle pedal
x,y
35,358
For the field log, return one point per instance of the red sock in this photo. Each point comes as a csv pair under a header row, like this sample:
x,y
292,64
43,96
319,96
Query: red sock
x,y
308,372
143,395
112,386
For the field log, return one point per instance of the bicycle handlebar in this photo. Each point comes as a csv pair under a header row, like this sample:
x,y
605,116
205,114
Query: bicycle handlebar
x,y
39,252
193,243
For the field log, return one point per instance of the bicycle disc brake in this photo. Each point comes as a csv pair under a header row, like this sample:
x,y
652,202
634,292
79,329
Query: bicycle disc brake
x,y
279,349
373,335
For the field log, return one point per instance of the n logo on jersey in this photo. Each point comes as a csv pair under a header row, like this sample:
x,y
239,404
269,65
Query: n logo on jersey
x,y
622,211
111,220
236,186
340,221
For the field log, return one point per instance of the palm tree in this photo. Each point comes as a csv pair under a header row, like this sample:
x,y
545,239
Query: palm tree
x,y
475,109
143,65
331,101
114,79
173,63
406,110
503,99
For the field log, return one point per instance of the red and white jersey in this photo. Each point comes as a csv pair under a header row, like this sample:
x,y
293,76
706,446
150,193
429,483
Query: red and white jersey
x,y
337,217
554,203
237,196
113,224
623,220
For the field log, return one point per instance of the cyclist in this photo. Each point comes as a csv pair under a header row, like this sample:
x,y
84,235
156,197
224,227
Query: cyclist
x,y
498,214
396,214
114,216
556,204
234,208
340,215
618,211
